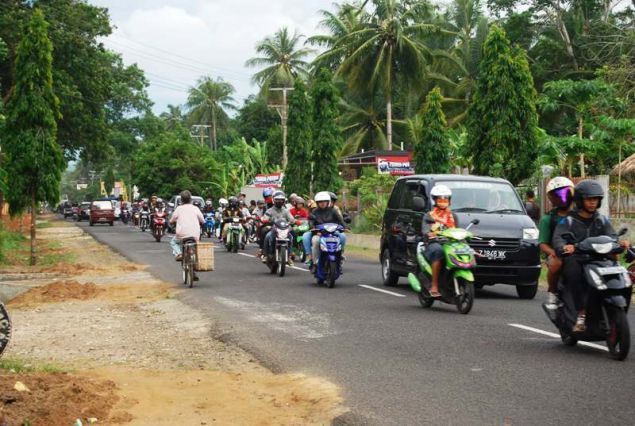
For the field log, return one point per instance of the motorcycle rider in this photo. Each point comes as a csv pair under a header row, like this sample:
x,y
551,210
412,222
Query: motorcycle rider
x,y
188,220
560,194
443,218
278,211
209,207
583,221
299,210
233,210
324,213
267,194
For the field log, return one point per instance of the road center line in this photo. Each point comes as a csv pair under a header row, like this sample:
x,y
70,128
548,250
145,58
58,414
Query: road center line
x,y
381,290
246,254
300,269
557,336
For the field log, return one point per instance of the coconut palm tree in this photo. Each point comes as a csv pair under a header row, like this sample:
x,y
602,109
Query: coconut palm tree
x,y
207,104
173,117
387,44
282,60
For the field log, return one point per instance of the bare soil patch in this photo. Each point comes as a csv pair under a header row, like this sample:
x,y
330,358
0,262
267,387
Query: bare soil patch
x,y
54,398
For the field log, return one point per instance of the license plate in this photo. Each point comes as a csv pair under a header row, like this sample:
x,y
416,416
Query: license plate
x,y
102,219
493,254
611,270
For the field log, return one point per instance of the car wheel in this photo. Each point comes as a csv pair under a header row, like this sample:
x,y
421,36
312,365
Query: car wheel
x,y
91,223
527,292
389,278
112,223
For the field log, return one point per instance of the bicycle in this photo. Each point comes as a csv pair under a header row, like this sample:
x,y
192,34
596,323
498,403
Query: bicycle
x,y
188,248
5,328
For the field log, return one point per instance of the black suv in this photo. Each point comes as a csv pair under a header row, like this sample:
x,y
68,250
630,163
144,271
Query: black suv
x,y
507,252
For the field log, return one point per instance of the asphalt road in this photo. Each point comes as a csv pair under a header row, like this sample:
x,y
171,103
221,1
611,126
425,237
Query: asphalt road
x,y
397,363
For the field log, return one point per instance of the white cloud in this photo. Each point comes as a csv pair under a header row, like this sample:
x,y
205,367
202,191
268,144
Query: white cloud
x,y
178,41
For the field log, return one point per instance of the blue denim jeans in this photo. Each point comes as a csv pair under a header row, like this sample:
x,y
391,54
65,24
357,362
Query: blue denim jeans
x,y
306,241
175,243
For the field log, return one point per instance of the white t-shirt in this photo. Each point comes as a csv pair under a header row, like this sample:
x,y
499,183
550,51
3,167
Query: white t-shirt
x,y
188,220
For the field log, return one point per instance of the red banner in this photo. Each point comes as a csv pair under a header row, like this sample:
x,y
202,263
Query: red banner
x,y
395,165
273,180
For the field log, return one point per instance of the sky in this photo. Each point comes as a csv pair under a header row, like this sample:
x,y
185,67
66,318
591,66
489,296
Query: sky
x,y
177,41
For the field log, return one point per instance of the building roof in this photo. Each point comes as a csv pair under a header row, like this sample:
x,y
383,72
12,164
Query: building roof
x,y
368,157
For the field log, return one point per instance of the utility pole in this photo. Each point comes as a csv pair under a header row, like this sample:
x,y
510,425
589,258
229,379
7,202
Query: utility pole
x,y
197,131
283,112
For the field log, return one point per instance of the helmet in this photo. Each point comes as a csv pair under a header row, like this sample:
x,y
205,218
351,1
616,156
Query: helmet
x,y
333,196
242,202
440,191
562,189
267,192
587,189
233,202
208,202
299,200
223,202
197,203
322,196
260,203
159,200
559,182
292,197
279,195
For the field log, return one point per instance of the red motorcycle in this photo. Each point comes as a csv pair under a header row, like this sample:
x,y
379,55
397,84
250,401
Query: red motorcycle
x,y
158,225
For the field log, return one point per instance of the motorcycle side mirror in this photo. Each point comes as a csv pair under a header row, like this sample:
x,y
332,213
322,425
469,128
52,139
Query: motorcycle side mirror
x,y
475,222
622,232
418,204
347,219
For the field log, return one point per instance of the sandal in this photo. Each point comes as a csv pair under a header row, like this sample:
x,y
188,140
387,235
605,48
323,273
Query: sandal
x,y
435,294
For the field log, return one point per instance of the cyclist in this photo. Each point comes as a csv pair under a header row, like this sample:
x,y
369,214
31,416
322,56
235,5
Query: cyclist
x,y
188,219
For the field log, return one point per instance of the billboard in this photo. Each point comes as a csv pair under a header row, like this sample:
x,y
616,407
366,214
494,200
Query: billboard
x,y
396,165
273,180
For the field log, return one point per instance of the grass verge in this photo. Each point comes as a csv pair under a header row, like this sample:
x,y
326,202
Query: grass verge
x,y
15,365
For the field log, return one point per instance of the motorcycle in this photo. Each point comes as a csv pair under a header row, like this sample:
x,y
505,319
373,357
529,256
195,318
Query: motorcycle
x,y
208,226
300,227
144,220
610,290
136,216
158,225
329,262
277,260
234,235
456,280
5,328
125,215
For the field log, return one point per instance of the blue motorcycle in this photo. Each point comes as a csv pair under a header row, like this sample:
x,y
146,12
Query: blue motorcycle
x,y
209,225
329,265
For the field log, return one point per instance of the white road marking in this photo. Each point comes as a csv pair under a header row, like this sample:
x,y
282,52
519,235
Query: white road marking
x,y
381,290
246,254
300,269
557,336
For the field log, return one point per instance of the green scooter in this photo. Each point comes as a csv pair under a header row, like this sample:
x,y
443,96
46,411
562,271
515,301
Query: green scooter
x,y
456,280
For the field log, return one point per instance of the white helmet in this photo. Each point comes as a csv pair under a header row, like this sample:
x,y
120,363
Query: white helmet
x,y
440,191
559,182
223,202
322,196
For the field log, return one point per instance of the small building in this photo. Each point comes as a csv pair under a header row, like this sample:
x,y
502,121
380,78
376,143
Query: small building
x,y
397,163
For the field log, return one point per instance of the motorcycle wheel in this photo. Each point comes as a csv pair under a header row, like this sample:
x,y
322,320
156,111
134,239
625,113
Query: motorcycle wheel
x,y
234,244
619,338
331,271
5,328
282,256
465,300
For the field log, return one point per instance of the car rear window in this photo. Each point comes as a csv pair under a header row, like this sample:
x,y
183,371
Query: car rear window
x,y
102,205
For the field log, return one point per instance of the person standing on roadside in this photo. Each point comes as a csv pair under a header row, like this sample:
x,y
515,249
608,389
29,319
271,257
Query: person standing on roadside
x,y
533,211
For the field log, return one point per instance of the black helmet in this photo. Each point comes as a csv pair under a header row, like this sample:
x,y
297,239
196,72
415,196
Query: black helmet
x,y
587,189
333,196
233,202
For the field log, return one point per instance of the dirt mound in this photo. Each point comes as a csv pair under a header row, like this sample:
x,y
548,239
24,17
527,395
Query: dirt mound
x,y
54,399
58,292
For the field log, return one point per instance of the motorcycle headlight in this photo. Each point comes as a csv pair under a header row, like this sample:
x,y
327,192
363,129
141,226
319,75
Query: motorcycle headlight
x,y
597,280
530,234
330,228
602,248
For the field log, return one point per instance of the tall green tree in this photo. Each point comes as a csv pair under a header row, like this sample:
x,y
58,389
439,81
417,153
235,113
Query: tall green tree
x,y
282,58
297,175
432,151
327,137
502,122
255,118
386,47
35,161
208,102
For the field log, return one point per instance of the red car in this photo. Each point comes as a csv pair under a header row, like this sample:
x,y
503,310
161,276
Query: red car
x,y
101,212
